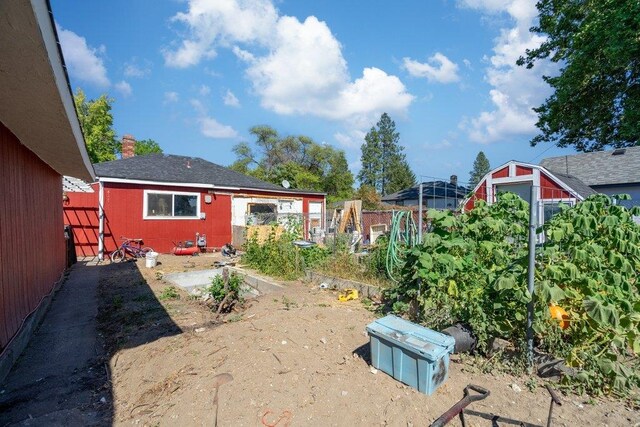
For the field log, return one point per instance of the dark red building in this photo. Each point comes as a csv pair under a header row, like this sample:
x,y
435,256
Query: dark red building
x,y
40,141
165,199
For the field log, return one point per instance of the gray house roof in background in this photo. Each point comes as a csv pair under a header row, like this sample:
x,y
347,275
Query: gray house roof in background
x,y
182,169
600,167
437,189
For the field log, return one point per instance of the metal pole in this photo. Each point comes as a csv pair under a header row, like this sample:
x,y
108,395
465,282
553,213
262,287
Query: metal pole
x,y
533,209
420,214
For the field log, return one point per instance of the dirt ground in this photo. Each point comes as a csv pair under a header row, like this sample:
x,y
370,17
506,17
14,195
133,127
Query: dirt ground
x,y
297,357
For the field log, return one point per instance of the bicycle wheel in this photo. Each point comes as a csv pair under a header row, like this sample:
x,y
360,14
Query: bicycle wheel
x,y
117,256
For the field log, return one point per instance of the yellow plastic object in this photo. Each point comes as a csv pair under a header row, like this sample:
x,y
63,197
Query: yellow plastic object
x,y
560,315
348,294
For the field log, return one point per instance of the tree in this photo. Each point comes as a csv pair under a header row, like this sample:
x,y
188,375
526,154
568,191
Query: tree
x,y
480,168
400,175
96,122
596,99
297,159
338,181
370,198
384,165
146,146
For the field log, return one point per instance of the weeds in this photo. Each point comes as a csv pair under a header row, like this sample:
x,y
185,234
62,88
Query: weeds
x,y
288,303
170,292
225,293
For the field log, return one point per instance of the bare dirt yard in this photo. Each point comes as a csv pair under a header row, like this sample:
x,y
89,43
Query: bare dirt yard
x,y
298,357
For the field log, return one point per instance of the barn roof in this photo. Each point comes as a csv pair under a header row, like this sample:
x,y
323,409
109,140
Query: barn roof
x,y
169,168
621,166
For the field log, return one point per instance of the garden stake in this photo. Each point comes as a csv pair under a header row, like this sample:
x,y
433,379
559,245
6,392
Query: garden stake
x,y
554,400
458,408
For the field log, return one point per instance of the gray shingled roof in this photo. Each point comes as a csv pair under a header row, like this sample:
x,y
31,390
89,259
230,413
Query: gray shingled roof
x,y
599,168
181,169
575,184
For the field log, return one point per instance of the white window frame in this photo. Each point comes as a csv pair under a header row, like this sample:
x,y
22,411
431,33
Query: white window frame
x,y
145,202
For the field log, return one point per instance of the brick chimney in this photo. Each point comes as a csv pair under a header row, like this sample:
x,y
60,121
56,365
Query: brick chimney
x,y
454,180
128,146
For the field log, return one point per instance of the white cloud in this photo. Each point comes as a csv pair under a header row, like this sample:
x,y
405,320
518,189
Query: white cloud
x,y
350,140
204,90
442,145
295,67
515,90
124,88
209,126
438,68
83,62
219,23
230,99
171,97
134,69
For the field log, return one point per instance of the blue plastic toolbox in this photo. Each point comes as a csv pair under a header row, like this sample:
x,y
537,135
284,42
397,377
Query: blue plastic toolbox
x,y
410,353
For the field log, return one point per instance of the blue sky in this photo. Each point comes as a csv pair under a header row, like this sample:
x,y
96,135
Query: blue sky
x,y
195,75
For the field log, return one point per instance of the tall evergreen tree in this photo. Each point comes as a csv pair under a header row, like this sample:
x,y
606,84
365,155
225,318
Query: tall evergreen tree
x,y
371,161
384,165
480,168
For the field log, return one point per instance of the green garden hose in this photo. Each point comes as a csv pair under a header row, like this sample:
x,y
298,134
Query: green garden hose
x,y
403,236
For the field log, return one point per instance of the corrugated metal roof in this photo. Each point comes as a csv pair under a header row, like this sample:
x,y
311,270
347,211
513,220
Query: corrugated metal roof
x,y
599,168
75,185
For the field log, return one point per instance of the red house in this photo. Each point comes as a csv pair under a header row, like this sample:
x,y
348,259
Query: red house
x,y
165,199
40,141
517,177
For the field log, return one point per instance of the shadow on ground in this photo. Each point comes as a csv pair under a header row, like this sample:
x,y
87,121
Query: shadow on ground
x,y
63,377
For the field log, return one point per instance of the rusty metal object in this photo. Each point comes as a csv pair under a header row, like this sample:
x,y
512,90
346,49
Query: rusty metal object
x,y
458,408
555,400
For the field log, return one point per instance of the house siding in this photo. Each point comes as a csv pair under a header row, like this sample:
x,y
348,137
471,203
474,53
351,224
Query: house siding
x,y
32,245
123,207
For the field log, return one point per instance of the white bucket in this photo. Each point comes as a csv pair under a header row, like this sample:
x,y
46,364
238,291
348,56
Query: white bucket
x,y
151,258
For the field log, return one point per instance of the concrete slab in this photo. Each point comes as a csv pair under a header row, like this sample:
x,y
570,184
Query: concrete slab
x,y
192,280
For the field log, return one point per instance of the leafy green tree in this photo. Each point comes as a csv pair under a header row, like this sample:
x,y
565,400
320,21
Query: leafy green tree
x,y
338,181
96,122
384,165
146,146
298,159
596,99
481,167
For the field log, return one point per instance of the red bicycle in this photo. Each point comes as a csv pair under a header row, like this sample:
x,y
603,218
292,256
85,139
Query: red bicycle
x,y
131,248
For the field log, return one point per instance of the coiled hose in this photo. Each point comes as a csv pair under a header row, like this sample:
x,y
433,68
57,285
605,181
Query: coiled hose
x,y
403,236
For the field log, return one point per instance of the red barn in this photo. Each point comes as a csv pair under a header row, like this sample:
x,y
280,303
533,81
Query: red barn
x,y
164,199
40,141
518,177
